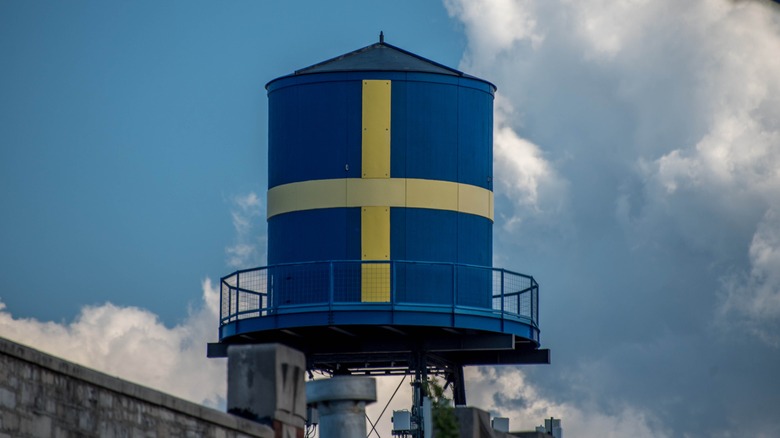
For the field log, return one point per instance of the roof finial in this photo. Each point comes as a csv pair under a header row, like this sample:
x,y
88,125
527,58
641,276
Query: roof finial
x,y
381,37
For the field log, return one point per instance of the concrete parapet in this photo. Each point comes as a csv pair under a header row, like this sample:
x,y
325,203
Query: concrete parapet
x,y
341,403
45,396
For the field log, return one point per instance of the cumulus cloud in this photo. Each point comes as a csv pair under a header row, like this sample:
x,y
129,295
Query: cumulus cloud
x,y
248,250
132,343
752,299
507,392
637,149
522,174
511,22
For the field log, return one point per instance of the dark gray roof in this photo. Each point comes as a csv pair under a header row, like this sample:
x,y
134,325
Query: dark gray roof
x,y
380,57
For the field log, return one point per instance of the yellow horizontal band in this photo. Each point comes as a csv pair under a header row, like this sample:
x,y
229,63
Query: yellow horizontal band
x,y
388,192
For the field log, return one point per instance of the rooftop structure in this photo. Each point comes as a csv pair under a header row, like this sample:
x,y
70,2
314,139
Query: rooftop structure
x,y
380,215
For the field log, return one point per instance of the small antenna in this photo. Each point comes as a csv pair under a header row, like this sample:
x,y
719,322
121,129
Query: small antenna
x,y
381,37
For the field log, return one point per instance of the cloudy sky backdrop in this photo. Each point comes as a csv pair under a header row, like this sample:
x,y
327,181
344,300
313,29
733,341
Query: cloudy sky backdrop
x,y
637,168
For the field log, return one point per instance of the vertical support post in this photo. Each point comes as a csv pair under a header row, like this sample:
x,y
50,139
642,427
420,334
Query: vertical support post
x,y
417,407
459,386
419,393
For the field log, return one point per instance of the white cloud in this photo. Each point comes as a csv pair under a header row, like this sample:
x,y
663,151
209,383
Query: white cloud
x,y
650,129
133,344
512,21
521,171
248,250
752,299
733,168
677,103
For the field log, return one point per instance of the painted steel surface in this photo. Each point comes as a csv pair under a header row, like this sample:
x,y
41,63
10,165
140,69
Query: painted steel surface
x,y
377,166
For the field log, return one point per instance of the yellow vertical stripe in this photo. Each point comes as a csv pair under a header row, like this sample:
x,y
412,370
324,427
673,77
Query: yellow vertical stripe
x,y
376,129
375,163
375,245
375,233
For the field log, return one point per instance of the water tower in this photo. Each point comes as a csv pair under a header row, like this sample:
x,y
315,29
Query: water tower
x,y
380,216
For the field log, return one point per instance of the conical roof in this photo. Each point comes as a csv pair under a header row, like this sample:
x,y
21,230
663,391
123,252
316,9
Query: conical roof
x,y
381,57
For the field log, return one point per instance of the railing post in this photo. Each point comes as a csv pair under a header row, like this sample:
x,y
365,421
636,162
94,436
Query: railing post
x,y
392,284
535,297
331,283
454,286
221,302
238,291
331,286
503,272
454,293
230,303
265,299
270,298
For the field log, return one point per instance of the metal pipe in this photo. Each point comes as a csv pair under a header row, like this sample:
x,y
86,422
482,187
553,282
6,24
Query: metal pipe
x,y
341,404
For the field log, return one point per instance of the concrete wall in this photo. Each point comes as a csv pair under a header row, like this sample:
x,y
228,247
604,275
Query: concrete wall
x,y
44,396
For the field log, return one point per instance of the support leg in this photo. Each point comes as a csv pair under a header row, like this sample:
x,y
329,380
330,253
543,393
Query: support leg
x,y
459,386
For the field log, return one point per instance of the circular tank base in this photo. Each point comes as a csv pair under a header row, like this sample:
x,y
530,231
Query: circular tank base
x,y
343,345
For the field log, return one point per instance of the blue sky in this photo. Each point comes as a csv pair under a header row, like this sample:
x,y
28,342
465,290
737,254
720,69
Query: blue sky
x,y
128,128
637,177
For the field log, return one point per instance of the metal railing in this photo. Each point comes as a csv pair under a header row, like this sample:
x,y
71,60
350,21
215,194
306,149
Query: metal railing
x,y
303,287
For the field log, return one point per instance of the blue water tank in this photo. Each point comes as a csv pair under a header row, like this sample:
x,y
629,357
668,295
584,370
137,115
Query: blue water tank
x,y
383,155
380,216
